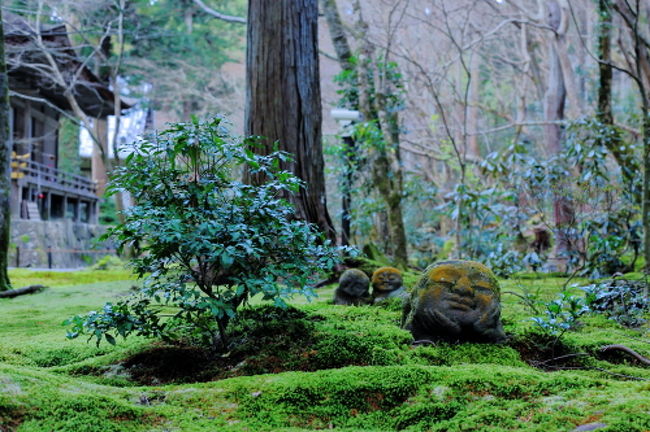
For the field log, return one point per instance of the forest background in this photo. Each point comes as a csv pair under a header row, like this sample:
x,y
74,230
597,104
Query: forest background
x,y
511,132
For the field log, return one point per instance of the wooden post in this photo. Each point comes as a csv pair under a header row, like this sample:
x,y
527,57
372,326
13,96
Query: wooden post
x,y
48,216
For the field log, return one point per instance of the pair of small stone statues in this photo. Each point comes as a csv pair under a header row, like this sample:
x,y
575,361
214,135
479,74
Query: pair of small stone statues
x,y
353,286
454,301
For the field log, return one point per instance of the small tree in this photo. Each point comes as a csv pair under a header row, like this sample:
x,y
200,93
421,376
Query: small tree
x,y
208,242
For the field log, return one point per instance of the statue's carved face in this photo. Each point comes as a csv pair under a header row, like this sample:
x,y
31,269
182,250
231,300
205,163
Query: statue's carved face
x,y
456,300
386,279
354,283
466,293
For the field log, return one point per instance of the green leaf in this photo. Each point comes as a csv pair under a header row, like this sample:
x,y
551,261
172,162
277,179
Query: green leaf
x,y
110,339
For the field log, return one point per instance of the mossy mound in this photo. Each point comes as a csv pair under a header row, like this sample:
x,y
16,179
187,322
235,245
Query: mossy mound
x,y
267,339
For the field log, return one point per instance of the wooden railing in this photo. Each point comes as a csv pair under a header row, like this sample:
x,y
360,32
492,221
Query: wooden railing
x,y
40,174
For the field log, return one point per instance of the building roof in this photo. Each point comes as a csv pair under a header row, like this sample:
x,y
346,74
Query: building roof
x,y
31,74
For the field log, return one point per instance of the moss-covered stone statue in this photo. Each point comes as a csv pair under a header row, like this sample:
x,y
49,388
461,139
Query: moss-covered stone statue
x,y
387,283
455,301
352,289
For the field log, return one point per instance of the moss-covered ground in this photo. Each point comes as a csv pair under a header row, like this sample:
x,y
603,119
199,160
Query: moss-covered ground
x,y
313,366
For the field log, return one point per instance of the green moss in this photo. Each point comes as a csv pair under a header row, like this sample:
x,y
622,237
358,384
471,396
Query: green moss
x,y
23,277
444,354
373,381
47,402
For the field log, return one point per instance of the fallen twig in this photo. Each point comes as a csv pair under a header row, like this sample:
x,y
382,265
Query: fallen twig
x,y
527,301
554,359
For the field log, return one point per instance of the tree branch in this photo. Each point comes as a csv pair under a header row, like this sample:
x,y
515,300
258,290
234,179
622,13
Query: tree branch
x,y
219,15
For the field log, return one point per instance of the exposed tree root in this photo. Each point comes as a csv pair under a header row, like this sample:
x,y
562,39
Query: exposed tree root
x,y
636,355
32,289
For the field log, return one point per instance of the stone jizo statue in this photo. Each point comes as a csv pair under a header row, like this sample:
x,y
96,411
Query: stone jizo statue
x,y
352,289
386,283
455,301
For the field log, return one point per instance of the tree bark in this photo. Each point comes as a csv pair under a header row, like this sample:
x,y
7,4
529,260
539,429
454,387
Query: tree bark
x,y
554,103
387,172
100,156
473,149
337,33
5,166
385,159
283,102
623,154
630,13
605,72
561,48
345,59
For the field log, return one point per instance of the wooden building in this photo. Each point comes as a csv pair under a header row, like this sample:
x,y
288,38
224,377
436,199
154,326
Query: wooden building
x,y
40,190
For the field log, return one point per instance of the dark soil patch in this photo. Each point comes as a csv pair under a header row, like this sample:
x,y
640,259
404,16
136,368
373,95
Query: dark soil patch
x,y
10,418
165,364
262,340
546,352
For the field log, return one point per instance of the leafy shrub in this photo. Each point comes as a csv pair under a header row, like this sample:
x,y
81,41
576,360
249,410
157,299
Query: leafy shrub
x,y
561,314
624,301
207,241
503,262
604,224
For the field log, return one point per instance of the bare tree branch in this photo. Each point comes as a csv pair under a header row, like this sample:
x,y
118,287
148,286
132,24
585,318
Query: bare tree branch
x,y
219,15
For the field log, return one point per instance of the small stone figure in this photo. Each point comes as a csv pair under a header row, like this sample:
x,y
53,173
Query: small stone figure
x,y
387,283
455,301
352,289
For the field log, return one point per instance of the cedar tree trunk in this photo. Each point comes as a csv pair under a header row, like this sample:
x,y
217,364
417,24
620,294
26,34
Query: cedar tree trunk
x,y
283,102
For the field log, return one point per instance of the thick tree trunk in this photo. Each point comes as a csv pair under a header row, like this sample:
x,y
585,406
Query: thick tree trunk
x,y
283,102
5,166
554,104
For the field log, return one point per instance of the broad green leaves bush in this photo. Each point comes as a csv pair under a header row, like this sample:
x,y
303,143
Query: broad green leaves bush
x,y
562,313
603,198
205,241
623,301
